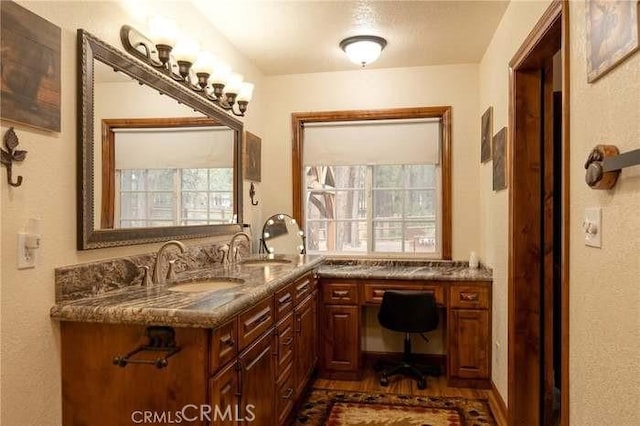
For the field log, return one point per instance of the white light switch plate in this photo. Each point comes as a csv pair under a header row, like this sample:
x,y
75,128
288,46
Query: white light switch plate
x,y
592,227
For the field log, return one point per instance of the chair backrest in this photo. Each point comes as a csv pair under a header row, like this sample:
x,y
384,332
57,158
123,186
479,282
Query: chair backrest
x,y
408,311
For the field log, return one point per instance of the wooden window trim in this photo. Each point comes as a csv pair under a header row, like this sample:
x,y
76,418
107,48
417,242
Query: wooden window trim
x,y
299,119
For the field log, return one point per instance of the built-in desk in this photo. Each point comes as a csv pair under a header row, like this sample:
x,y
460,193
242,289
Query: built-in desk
x,y
347,287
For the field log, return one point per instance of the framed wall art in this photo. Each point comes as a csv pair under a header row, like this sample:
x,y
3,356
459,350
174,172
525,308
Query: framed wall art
x,y
30,77
612,34
499,154
486,131
252,157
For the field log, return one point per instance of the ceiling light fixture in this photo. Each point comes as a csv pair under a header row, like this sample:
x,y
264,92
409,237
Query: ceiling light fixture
x,y
363,49
181,59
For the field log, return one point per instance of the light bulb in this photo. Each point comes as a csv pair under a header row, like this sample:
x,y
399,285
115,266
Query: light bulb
x,y
246,92
234,83
162,30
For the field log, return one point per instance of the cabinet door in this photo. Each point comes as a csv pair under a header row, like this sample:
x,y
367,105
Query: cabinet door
x,y
285,345
469,344
305,338
225,396
257,381
340,343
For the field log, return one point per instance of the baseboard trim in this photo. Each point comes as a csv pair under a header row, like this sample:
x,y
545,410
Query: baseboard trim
x,y
498,407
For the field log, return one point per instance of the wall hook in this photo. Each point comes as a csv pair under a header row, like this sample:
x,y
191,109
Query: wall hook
x,y
252,193
11,154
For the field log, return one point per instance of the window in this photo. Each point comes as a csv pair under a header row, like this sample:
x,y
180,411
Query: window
x,y
388,208
170,197
380,186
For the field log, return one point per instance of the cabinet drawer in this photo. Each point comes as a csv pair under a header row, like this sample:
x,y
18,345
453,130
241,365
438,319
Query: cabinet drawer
x,y
303,287
340,293
224,345
373,292
469,296
284,301
284,344
255,321
285,395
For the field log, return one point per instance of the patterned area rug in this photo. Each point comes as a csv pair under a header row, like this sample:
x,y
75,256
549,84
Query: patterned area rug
x,y
340,408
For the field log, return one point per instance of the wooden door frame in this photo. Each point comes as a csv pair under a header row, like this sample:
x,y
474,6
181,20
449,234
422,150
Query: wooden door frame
x,y
524,297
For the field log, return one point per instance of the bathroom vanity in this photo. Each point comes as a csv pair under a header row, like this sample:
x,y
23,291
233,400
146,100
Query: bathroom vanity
x,y
246,347
245,352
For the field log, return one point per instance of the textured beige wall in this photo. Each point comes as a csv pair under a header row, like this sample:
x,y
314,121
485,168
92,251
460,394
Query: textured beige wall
x,y
29,350
605,283
455,85
515,25
604,290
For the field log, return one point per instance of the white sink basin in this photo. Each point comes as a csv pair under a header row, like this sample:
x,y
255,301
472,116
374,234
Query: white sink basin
x,y
213,284
264,262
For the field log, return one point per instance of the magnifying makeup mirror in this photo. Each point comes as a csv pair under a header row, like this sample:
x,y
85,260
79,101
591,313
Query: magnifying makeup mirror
x,y
282,235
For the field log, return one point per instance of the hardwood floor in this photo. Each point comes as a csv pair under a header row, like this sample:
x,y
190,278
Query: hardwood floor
x,y
436,386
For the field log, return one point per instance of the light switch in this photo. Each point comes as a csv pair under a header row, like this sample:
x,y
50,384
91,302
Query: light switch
x,y
592,227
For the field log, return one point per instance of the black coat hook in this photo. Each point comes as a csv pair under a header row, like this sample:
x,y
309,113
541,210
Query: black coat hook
x,y
11,154
252,193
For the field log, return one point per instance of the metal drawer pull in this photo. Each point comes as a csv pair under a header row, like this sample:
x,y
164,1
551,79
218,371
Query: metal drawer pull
x,y
228,341
285,299
469,297
288,394
288,341
340,293
303,286
258,319
378,293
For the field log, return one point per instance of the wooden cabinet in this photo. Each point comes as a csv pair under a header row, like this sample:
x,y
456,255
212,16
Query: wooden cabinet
x,y
340,341
224,389
469,332
95,391
466,316
285,335
257,374
305,323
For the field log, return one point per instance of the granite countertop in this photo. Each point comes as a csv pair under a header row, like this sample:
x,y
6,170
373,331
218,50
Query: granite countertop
x,y
406,269
159,305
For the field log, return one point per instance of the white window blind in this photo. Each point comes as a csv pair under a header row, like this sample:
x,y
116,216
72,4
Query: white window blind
x,y
415,141
168,148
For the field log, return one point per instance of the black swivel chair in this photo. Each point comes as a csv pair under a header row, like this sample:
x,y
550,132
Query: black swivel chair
x,y
408,312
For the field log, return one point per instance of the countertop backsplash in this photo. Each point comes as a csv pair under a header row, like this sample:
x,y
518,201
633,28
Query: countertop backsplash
x,y
95,278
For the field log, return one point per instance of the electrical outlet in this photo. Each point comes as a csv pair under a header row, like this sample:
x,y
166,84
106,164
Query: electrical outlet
x,y
26,257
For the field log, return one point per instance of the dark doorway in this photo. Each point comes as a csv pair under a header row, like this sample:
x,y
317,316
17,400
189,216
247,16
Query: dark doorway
x,y
538,225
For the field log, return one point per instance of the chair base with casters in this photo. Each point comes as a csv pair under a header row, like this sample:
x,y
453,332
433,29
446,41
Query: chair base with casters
x,y
409,312
408,367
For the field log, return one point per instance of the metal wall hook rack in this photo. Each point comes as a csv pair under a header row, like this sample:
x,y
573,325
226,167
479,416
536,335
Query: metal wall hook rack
x,y
605,163
252,193
160,339
11,155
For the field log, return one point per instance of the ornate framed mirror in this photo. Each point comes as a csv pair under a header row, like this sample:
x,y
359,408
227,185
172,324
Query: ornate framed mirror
x,y
155,192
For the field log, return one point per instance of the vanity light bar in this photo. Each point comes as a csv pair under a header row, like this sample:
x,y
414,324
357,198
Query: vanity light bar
x,y
213,80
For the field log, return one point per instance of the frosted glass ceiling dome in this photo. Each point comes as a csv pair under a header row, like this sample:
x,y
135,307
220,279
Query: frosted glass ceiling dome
x,y
363,49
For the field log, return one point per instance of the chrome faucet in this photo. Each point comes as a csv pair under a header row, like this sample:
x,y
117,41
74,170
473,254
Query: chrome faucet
x,y
158,278
232,255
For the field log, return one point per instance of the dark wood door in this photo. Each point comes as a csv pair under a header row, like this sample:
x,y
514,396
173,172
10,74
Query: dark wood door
x,y
306,327
257,381
469,344
225,396
340,344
